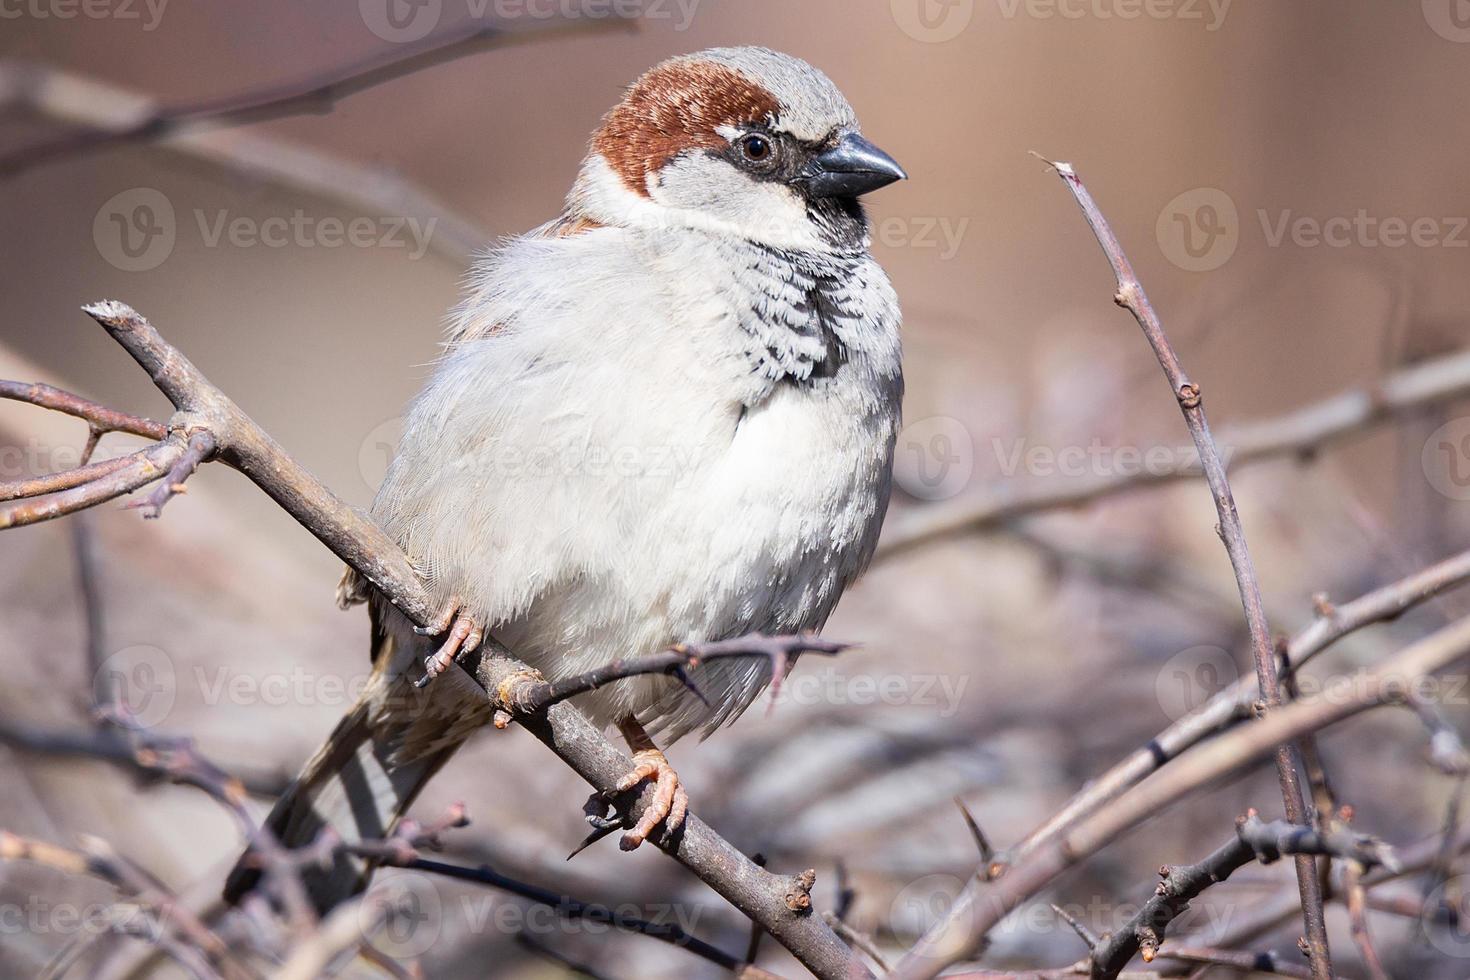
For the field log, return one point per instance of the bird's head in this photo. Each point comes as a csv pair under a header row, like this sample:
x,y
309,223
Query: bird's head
x,y
740,141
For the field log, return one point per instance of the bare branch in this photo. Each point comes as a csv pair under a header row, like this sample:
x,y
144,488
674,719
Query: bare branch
x,y
1255,840
148,122
1300,433
534,695
1232,704
774,901
99,861
1131,296
983,903
140,470
99,417
199,449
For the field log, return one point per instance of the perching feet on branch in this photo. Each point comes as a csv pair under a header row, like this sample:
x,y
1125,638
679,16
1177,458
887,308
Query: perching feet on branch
x,y
670,803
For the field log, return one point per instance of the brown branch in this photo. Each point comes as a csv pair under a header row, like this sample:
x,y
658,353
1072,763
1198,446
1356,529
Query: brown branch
x,y
98,860
1131,296
149,122
142,469
99,417
1255,840
531,695
200,448
1232,704
106,744
1352,885
984,902
773,901
1300,433
65,480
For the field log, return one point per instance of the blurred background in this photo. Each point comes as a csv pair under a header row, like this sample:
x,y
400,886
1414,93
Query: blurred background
x,y
1259,161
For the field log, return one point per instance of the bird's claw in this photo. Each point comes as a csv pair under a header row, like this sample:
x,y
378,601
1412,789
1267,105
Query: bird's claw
x,y
461,635
670,804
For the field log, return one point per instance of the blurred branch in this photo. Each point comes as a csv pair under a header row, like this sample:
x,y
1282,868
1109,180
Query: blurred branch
x,y
1131,296
780,904
962,932
1232,704
1180,885
98,860
1301,433
984,902
106,744
134,119
362,187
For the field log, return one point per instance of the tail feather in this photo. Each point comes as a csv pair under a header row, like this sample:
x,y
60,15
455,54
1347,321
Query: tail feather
x,y
357,784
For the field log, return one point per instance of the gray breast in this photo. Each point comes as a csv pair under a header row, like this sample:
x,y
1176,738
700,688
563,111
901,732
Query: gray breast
x,y
796,309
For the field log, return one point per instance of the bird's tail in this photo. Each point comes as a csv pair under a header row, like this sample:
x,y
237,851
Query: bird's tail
x,y
360,783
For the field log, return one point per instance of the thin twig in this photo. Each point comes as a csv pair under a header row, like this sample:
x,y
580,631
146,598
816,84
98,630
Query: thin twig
x,y
532,695
142,469
1131,296
983,903
1255,840
99,417
1352,885
1302,433
318,94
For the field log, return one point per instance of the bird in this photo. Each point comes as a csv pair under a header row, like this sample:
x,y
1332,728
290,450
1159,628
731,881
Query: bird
x,y
666,416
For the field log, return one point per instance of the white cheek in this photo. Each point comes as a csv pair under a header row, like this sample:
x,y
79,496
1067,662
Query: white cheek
x,y
710,187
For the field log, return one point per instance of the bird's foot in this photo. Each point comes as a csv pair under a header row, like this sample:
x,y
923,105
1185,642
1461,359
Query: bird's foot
x,y
669,805
461,635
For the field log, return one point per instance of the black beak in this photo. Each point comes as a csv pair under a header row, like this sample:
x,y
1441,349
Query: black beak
x,y
850,169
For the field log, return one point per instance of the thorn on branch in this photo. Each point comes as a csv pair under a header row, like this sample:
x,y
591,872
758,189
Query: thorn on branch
x,y
987,853
1088,937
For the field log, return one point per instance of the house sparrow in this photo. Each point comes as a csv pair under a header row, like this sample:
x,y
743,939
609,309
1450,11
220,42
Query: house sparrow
x,y
666,416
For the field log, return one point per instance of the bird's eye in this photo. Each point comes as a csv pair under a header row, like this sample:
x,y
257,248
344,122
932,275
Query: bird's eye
x,y
757,148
